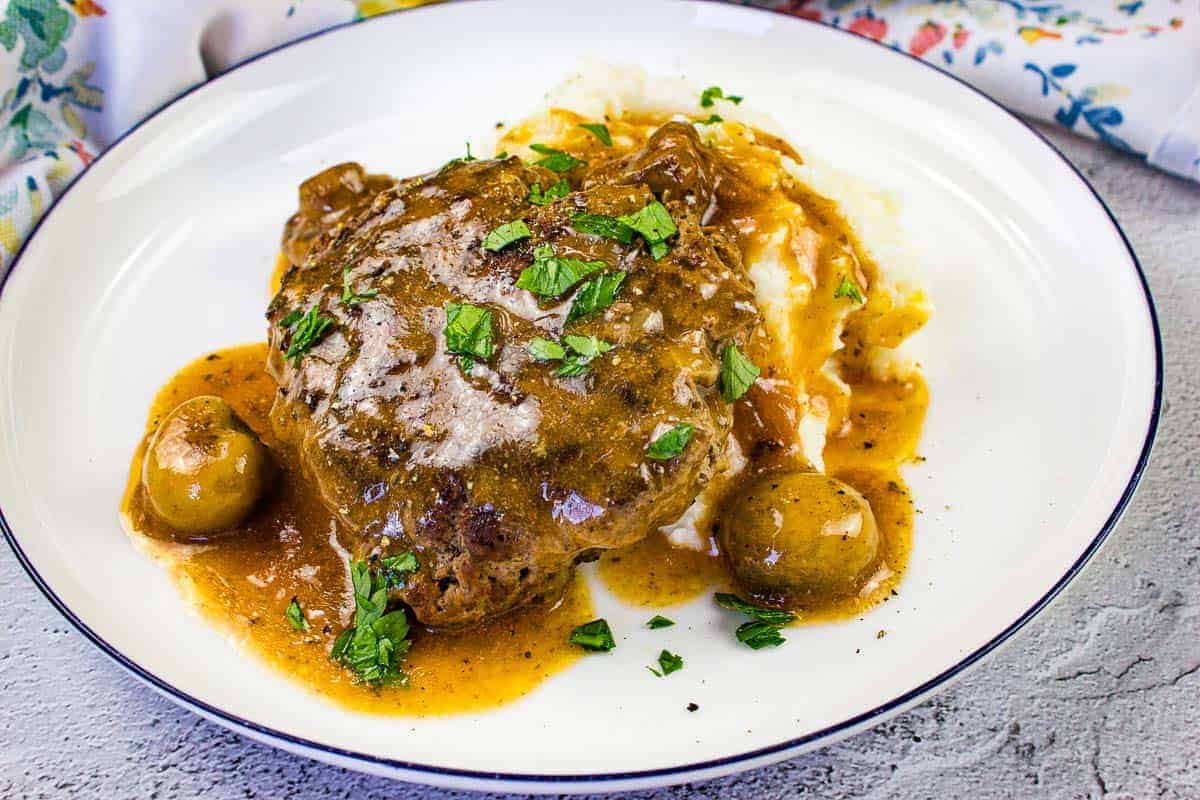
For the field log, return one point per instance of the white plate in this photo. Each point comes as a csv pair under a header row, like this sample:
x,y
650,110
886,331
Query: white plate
x,y
1043,361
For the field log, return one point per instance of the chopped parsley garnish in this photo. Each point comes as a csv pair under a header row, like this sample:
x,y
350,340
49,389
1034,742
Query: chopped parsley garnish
x,y
576,356
468,333
848,288
504,235
659,621
763,630
596,295
771,616
461,159
757,635
349,296
653,222
555,192
309,329
600,225
546,350
600,131
295,615
588,346
551,275
668,662
655,225
738,373
595,636
712,118
714,93
393,569
373,646
555,160
572,367
584,350
291,319
671,443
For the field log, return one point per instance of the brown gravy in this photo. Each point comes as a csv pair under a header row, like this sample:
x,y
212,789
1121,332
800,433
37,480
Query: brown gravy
x,y
245,581
288,548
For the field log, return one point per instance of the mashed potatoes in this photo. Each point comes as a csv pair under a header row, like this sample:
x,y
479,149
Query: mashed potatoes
x,y
819,242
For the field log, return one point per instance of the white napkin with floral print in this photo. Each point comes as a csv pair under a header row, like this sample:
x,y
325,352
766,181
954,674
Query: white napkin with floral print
x,y
76,74
1127,73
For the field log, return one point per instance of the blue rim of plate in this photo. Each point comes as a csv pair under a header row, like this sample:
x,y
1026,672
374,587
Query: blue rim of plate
x,y
683,771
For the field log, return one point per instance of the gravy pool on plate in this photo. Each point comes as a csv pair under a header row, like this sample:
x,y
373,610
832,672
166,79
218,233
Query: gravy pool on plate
x,y
639,339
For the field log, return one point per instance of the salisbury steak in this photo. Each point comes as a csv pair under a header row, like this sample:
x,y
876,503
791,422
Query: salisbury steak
x,y
500,471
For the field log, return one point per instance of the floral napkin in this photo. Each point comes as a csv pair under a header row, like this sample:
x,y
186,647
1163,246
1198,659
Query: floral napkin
x,y
75,74
1127,73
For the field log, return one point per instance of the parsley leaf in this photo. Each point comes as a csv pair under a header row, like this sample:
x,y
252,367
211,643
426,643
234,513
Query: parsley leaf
x,y
551,275
393,569
555,192
587,346
291,319
711,119
461,159
671,443
572,367
659,621
655,225
341,644
595,636
598,130
546,350
763,630
349,296
714,93
504,235
758,634
653,222
555,160
295,615
771,616
738,373
468,333
309,329
669,662
596,295
585,349
848,288
600,225
372,647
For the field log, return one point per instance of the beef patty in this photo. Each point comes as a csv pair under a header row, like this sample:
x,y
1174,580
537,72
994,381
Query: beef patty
x,y
501,475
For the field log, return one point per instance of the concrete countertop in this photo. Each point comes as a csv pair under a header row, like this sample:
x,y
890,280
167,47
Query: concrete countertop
x,y
1099,697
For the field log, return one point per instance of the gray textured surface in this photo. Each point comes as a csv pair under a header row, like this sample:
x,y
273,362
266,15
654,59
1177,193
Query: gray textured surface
x,y
1097,698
